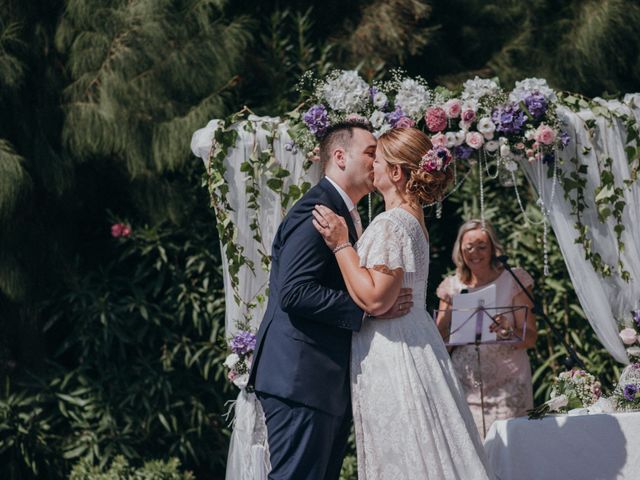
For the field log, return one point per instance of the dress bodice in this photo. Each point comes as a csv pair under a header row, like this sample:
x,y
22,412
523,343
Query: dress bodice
x,y
395,239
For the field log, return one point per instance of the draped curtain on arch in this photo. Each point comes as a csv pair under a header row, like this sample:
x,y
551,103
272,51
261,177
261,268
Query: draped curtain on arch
x,y
262,133
604,300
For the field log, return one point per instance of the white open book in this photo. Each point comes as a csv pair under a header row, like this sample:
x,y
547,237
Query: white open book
x,y
467,322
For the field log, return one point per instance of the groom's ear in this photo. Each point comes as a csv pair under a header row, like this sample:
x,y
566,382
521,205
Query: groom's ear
x,y
339,156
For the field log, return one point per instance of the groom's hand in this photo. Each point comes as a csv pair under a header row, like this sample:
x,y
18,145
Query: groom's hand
x,y
401,307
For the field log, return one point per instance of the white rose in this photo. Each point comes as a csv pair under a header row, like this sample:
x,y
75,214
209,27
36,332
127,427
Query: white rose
x,y
451,139
377,119
460,137
384,128
380,99
628,336
231,360
486,126
505,151
491,146
633,351
556,403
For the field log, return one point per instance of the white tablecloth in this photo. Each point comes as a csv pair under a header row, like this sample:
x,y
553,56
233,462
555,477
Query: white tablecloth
x,y
584,447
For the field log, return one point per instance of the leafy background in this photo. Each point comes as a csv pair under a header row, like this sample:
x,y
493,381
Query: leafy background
x,y
111,349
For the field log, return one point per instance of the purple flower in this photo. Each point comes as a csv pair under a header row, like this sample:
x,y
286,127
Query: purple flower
x,y
463,152
508,119
536,104
564,138
636,317
244,342
316,119
630,391
372,92
395,116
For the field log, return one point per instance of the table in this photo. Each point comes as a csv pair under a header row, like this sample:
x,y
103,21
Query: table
x,y
585,447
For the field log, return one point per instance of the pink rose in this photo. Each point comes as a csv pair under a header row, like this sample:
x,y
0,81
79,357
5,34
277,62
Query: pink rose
x,y
116,230
232,375
545,134
475,140
436,119
126,230
405,122
439,140
628,336
468,116
453,108
356,117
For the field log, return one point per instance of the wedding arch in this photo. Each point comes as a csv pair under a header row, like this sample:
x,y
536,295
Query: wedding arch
x,y
258,166
581,156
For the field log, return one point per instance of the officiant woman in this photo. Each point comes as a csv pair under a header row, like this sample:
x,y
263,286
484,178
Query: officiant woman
x,y
505,368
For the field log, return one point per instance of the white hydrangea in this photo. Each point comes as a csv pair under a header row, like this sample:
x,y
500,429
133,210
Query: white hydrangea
x,y
344,91
479,87
413,98
525,87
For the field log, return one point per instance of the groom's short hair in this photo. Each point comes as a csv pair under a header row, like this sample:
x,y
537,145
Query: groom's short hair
x,y
339,135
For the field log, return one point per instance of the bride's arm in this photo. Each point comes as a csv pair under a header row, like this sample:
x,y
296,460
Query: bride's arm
x,y
374,290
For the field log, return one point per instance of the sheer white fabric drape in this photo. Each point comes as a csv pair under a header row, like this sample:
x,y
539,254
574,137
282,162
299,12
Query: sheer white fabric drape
x,y
603,299
248,457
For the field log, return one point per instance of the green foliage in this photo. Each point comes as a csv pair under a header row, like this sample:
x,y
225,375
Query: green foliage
x,y
121,470
129,94
138,361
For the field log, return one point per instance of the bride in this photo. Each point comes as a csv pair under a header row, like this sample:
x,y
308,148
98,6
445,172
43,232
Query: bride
x,y
411,418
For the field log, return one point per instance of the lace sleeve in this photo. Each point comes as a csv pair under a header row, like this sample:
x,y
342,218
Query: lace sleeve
x,y
386,243
524,277
445,290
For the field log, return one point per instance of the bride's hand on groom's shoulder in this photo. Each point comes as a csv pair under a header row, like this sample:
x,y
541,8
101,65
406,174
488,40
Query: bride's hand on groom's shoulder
x,y
401,307
332,227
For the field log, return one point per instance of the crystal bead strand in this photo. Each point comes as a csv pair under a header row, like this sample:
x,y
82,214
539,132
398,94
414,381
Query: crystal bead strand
x,y
481,191
369,209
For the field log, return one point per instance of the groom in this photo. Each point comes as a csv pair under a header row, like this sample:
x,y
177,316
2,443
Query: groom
x,y
301,363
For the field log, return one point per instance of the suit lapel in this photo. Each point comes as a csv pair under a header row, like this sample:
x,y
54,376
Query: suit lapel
x,y
338,206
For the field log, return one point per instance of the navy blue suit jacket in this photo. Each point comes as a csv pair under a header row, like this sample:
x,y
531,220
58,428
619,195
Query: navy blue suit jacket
x,y
303,346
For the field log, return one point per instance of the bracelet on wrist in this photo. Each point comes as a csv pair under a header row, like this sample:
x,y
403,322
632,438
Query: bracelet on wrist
x,y
341,247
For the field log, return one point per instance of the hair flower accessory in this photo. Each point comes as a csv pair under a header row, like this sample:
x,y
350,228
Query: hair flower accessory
x,y
436,159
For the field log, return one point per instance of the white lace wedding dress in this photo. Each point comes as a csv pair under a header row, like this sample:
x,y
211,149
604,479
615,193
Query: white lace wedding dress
x,y
410,414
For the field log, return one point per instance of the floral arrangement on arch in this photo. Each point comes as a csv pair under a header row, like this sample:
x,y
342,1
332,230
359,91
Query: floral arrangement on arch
x,y
629,335
573,389
626,395
239,361
482,120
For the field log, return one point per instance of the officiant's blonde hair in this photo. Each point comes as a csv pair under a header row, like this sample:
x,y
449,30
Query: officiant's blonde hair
x,y
406,147
462,270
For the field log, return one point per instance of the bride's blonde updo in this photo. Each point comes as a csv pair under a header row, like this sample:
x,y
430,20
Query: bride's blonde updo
x,y
406,147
